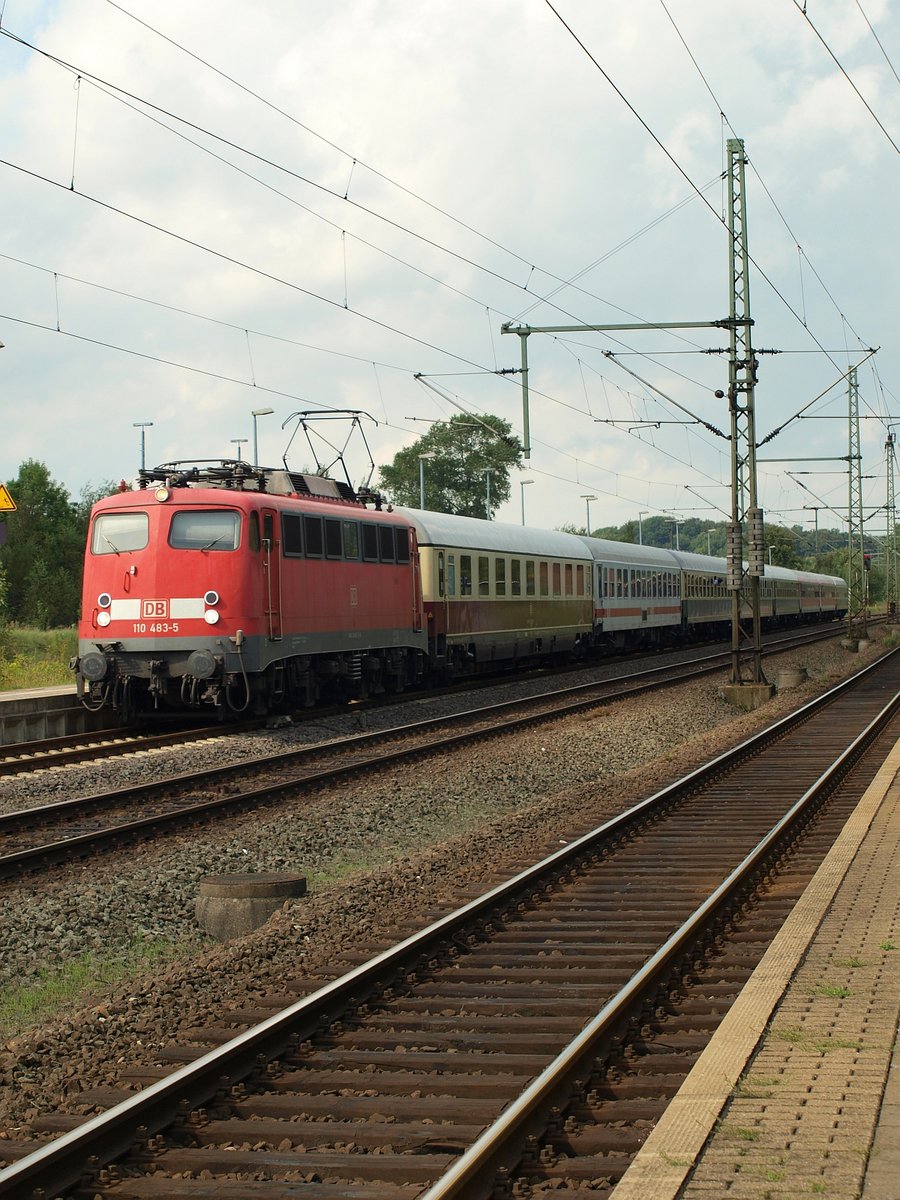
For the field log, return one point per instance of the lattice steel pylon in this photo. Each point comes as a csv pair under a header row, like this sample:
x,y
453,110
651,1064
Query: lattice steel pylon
x,y
856,581
890,547
743,581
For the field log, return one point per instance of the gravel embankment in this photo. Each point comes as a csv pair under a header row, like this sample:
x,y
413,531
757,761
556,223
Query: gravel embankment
x,y
376,854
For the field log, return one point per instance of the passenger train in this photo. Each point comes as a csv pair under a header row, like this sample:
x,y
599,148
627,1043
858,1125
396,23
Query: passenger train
x,y
244,590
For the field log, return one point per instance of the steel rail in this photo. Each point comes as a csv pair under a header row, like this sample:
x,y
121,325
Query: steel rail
x,y
61,1164
500,1147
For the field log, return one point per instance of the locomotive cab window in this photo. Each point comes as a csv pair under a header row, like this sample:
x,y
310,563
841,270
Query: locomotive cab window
x,y
216,529
115,532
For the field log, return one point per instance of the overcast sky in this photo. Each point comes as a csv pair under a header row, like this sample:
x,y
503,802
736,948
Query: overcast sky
x,y
214,208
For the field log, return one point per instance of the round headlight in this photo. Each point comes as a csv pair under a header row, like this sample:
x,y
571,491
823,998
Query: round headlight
x,y
211,597
104,600
103,619
211,617
92,666
161,494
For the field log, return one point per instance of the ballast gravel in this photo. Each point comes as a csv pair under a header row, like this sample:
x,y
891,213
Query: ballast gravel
x,y
378,855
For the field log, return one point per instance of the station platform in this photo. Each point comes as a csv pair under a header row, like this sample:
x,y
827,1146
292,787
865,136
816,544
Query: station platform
x,y
35,713
798,1093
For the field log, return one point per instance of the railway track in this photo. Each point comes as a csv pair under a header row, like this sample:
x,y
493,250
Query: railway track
x,y
19,758
34,839
525,1040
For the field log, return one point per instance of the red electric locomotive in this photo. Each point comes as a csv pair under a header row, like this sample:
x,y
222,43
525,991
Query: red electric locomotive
x,y
248,589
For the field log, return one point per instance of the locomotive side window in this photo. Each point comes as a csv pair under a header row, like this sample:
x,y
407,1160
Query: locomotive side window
x,y
291,534
351,540
197,530
115,532
515,577
312,536
370,543
253,526
334,543
402,545
386,549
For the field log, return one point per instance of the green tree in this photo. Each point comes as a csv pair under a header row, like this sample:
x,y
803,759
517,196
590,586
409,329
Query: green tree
x,y
43,556
459,454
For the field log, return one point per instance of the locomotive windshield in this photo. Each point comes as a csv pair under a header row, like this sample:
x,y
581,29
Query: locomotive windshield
x,y
115,532
216,529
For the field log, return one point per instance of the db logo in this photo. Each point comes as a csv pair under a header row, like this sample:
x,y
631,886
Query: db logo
x,y
154,609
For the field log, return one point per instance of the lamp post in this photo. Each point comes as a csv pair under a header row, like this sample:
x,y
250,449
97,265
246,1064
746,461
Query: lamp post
x,y
523,484
641,516
239,442
422,457
488,472
587,503
254,413
143,425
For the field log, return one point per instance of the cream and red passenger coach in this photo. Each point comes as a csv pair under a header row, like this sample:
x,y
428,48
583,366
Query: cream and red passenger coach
x,y
252,590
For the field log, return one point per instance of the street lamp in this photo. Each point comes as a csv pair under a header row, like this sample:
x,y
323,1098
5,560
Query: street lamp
x,y
254,413
422,457
523,484
587,503
239,442
641,515
142,425
488,472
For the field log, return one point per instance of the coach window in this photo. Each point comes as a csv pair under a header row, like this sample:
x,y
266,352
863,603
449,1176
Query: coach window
x,y
570,580
312,536
451,574
529,577
544,572
579,579
515,577
402,536
484,575
351,540
440,567
557,579
465,574
192,530
291,534
370,543
500,576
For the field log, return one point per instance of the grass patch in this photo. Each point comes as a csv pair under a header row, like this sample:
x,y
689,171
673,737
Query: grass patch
x,y
850,962
887,945
31,658
806,1041
827,989
79,980
742,1134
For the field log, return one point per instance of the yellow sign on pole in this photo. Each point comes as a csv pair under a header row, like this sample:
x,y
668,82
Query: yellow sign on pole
x,y
7,504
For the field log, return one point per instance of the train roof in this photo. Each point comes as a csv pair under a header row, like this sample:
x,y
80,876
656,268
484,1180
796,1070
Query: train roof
x,y
650,557
471,533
